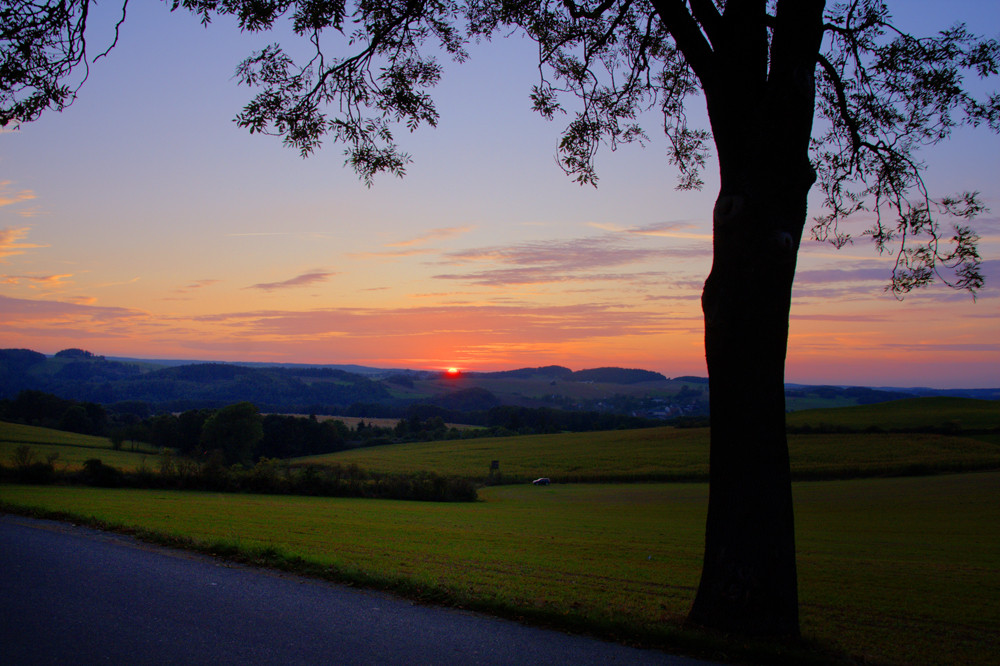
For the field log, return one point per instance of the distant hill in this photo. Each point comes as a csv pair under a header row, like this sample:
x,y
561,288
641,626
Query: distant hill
x,y
354,369
617,376
164,385
78,375
547,372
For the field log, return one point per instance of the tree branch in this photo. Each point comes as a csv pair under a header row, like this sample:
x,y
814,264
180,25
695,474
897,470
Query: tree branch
x,y
845,112
707,14
595,13
689,37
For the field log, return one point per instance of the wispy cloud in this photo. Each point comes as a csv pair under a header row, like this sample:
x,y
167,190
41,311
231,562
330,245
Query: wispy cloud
x,y
408,247
541,275
8,197
21,310
861,318
392,254
944,347
117,283
851,274
433,234
10,241
570,255
302,234
515,322
37,280
196,285
303,280
867,279
574,260
684,230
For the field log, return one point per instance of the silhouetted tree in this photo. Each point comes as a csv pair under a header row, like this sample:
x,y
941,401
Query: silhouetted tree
x,y
768,70
235,431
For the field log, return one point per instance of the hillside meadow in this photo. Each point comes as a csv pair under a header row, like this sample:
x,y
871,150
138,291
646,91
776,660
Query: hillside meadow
x,y
911,414
892,571
667,454
672,454
72,449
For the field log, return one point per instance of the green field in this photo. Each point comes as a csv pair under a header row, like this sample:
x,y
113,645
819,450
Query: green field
x,y
667,454
72,449
902,570
912,413
898,571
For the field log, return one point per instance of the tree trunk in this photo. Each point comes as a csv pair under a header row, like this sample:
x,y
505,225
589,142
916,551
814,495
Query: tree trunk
x,y
761,104
749,584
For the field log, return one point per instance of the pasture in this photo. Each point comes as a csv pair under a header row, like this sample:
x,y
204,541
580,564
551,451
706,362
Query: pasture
x,y
675,454
72,449
911,413
894,571
667,454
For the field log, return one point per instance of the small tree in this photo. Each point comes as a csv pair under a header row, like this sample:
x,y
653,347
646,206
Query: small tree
x,y
797,93
235,431
117,437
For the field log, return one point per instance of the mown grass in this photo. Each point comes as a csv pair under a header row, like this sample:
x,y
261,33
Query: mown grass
x,y
662,454
72,449
896,571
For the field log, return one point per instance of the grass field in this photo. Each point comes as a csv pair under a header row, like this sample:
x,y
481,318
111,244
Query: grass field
x,y
620,456
911,413
898,571
73,449
667,453
891,570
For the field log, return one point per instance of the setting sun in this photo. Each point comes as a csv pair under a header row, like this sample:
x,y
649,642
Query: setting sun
x,y
452,371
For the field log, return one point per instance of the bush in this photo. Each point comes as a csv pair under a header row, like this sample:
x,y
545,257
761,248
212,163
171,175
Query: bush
x,y
96,473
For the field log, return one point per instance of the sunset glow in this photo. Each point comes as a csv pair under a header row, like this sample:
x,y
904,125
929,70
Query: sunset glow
x,y
198,241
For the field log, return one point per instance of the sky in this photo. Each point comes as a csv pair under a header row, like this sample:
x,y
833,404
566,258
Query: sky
x,y
142,222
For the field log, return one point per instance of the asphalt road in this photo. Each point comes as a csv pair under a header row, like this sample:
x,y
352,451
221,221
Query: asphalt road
x,y
73,595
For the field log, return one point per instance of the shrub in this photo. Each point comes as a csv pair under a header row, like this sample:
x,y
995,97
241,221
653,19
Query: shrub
x,y
96,473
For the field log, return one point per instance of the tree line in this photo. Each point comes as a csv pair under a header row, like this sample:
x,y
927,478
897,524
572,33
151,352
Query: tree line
x,y
243,435
267,476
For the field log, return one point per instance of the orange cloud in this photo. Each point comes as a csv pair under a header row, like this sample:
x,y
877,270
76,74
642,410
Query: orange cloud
x,y
38,280
7,197
10,244
408,245
391,254
197,284
433,234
